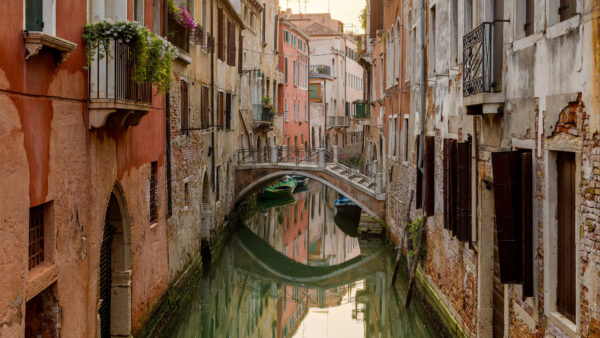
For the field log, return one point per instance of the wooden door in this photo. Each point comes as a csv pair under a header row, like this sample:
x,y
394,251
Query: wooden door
x,y
565,291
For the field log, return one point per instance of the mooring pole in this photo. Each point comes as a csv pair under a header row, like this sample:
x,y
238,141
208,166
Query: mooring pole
x,y
399,255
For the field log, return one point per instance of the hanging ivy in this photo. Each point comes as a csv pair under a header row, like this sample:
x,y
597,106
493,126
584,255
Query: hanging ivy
x,y
153,54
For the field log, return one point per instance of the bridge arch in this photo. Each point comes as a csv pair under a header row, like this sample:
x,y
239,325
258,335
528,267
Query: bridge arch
x,y
269,177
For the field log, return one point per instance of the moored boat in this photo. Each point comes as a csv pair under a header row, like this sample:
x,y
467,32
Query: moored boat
x,y
280,189
347,207
300,180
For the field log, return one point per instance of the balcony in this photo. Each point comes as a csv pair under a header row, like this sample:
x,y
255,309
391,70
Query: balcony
x,y
338,121
262,117
478,54
362,110
320,70
115,99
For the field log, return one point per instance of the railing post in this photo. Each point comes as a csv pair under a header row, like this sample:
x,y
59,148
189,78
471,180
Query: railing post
x,y
378,183
274,155
335,154
321,157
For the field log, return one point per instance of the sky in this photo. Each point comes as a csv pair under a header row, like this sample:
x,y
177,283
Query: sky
x,y
346,11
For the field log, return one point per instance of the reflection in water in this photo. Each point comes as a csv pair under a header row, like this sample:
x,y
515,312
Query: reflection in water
x,y
291,272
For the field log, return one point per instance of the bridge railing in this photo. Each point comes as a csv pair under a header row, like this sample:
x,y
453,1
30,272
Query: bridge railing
x,y
281,154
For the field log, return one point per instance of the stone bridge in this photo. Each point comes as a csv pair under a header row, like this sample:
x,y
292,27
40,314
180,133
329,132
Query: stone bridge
x,y
258,259
255,169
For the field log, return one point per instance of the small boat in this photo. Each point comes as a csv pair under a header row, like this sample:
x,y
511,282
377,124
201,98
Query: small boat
x,y
300,180
347,207
280,189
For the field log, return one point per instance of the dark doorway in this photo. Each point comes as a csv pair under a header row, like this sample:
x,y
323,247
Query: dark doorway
x,y
565,290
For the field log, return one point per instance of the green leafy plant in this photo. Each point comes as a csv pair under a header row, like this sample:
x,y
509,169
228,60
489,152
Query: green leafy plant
x,y
267,103
153,54
414,228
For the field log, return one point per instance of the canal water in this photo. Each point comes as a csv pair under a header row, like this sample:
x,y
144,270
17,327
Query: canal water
x,y
291,269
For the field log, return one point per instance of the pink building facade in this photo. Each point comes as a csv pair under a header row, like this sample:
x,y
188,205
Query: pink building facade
x,y
293,92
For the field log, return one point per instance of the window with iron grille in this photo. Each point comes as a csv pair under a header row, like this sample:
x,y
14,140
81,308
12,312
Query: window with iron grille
x,y
184,106
153,192
36,236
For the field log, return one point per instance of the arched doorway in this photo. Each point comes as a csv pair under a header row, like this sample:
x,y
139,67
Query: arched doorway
x,y
115,270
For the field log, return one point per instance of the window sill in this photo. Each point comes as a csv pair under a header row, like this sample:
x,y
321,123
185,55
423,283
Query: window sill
x,y
563,27
563,323
526,42
39,278
153,225
35,41
183,56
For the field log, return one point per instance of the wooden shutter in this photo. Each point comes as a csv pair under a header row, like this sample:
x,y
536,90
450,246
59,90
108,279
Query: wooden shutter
x,y
184,111
205,122
527,223
34,18
565,288
220,35
221,109
231,45
264,23
241,54
419,187
506,170
228,111
430,175
463,185
529,18
567,9
275,32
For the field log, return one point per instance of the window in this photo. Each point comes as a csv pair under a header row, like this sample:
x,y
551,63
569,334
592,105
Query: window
x,y
184,107
220,34
228,111
454,34
275,31
186,194
40,16
468,16
294,71
138,11
285,110
305,111
205,11
405,130
524,25
218,185
177,34
315,92
264,23
156,16
294,40
286,36
153,194
431,47
221,109
205,108
231,53
285,70
567,9
513,198
37,223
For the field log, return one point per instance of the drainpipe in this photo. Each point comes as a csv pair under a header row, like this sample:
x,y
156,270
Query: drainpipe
x,y
422,119
212,96
168,144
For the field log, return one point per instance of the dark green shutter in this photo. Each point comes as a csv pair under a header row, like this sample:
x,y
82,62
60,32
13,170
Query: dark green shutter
x,y
430,175
419,187
527,222
34,19
464,191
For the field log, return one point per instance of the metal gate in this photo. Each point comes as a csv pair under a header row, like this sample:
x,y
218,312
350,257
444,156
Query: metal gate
x,y
105,280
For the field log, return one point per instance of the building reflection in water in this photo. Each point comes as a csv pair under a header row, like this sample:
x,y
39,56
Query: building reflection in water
x,y
290,272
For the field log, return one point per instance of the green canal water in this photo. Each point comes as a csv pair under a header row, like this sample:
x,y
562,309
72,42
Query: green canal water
x,y
290,269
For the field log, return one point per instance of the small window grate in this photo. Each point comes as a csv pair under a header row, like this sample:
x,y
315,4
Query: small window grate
x,y
36,236
153,193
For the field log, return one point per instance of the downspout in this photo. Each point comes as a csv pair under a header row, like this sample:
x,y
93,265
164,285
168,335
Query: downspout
x,y
422,118
212,96
168,141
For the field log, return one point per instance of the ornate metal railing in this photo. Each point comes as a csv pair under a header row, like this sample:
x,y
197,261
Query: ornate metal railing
x,y
320,70
281,154
111,78
477,60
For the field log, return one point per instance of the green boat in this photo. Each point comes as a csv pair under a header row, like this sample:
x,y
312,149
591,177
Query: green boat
x,y
280,189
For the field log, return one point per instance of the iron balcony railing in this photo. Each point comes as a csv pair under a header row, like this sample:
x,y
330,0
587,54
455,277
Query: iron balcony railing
x,y
477,60
262,115
338,121
111,78
320,70
362,110
281,154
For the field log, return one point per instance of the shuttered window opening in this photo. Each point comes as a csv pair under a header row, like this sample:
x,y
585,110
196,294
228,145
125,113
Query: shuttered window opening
x,y
567,9
153,192
228,111
241,54
34,19
565,288
275,32
231,43
513,198
221,109
220,35
430,175
36,236
205,108
463,188
184,106
450,186
419,187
